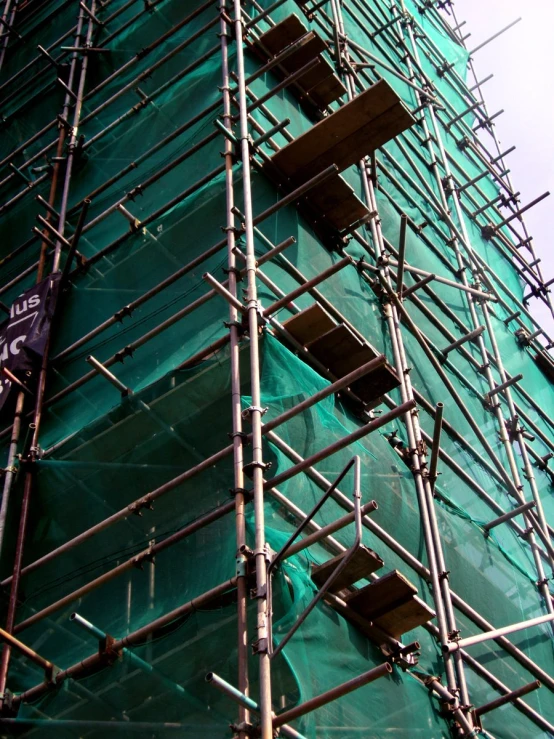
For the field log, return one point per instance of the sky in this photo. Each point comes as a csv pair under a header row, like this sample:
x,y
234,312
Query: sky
x,y
522,61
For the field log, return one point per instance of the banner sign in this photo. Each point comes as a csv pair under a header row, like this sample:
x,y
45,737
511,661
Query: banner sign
x,y
24,335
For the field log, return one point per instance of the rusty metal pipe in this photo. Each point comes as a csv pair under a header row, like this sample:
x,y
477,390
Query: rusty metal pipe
x,y
333,694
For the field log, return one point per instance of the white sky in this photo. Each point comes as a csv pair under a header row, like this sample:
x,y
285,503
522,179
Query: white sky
x,y
522,61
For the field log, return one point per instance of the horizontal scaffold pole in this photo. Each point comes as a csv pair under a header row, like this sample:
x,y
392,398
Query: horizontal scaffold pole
x,y
98,660
147,500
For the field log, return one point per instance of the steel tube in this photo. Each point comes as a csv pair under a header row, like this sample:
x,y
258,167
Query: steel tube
x,y
145,555
29,473
509,698
435,449
7,638
440,587
326,531
96,660
10,471
341,443
110,377
508,383
468,337
331,389
75,240
509,515
330,695
243,700
420,283
145,501
343,562
221,290
401,253
265,700
243,646
492,680
496,35
416,565
495,633
282,302
136,661
520,212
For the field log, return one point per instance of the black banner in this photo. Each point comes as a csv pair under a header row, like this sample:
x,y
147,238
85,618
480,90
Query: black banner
x,y
23,336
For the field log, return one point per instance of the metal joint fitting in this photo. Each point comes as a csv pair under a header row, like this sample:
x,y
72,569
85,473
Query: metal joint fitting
x,y
260,646
256,593
238,434
249,468
241,565
245,727
124,312
51,674
233,492
233,270
7,709
247,412
236,324
125,352
106,651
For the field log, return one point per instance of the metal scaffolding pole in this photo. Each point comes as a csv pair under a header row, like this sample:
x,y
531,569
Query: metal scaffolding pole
x,y
417,177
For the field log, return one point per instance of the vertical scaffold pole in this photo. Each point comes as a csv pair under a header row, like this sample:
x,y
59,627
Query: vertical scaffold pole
x,y
73,139
427,484
10,471
441,593
497,409
260,552
444,190
57,166
33,449
7,27
238,456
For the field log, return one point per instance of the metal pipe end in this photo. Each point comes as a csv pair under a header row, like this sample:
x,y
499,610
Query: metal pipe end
x,y
209,677
388,667
440,405
73,616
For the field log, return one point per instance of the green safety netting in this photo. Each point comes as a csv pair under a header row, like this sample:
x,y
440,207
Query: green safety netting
x,y
110,451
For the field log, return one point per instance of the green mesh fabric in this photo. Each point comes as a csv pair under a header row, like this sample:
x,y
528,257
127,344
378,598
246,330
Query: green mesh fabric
x,y
103,452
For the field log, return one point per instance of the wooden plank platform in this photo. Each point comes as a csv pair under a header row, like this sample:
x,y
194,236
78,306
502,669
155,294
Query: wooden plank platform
x,y
356,129
342,352
309,323
385,593
391,603
285,33
363,563
337,203
320,85
405,617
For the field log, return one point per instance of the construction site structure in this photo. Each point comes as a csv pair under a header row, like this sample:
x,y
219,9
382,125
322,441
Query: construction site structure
x,y
276,417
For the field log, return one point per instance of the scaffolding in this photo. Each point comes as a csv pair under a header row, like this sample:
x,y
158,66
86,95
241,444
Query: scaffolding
x,y
277,437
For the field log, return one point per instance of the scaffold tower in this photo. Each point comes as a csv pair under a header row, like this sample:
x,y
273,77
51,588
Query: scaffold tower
x,y
276,416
